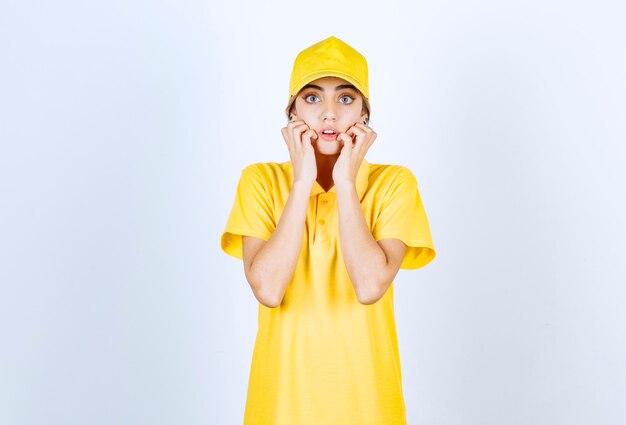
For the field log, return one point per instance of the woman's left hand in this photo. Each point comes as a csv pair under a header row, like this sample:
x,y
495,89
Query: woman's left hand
x,y
356,142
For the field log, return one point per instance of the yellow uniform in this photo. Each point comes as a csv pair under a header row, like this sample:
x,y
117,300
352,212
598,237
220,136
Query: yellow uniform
x,y
321,357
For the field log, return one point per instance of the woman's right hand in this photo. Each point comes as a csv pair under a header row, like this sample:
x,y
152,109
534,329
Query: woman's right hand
x,y
298,135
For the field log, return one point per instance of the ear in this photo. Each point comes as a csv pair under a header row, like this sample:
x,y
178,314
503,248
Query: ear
x,y
364,118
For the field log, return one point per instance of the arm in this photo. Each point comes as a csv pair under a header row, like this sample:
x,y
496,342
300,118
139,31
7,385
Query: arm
x,y
269,266
371,265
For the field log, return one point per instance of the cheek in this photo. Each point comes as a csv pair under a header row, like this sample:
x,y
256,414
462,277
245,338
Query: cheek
x,y
307,114
353,116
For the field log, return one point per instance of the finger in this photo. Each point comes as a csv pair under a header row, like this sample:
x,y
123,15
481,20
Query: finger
x,y
357,130
357,133
300,127
361,136
365,135
298,130
371,139
291,127
297,135
364,127
306,141
350,133
346,139
308,135
295,123
288,134
346,149
365,145
287,137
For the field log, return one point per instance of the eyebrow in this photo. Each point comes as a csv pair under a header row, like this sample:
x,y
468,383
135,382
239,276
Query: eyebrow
x,y
340,87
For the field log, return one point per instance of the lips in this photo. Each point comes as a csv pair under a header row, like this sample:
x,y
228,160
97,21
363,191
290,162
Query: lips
x,y
328,133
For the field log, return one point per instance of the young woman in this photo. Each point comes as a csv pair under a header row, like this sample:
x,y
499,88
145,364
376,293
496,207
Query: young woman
x,y
322,237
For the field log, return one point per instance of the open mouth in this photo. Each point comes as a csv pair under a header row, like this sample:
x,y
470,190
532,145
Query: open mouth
x,y
328,134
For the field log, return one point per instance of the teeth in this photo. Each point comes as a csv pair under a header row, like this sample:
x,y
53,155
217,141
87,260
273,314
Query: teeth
x,y
328,132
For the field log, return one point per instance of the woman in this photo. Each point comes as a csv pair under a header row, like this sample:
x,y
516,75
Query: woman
x,y
322,237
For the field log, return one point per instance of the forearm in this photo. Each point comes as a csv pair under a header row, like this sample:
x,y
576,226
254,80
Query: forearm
x,y
365,260
274,264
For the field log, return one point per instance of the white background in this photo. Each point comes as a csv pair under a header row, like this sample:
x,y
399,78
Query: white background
x,y
124,127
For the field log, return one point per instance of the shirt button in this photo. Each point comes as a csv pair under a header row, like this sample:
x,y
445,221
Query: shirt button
x,y
324,201
322,222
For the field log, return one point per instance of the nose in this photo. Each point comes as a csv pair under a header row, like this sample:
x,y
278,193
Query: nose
x,y
329,112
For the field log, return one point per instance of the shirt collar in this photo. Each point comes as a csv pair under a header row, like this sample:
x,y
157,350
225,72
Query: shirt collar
x,y
362,179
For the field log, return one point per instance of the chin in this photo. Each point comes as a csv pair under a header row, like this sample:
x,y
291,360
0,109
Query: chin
x,y
328,148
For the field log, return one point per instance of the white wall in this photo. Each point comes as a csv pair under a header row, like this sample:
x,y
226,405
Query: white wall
x,y
124,128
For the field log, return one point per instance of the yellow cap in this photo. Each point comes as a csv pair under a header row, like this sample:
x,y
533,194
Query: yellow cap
x,y
329,58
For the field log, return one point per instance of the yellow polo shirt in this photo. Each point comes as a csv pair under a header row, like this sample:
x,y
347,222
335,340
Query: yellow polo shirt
x,y
321,357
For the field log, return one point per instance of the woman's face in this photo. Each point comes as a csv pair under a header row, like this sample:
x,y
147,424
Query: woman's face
x,y
329,103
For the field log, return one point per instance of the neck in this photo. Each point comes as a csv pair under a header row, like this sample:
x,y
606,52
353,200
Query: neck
x,y
325,164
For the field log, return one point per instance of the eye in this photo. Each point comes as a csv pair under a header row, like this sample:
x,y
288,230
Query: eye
x,y
345,99
308,97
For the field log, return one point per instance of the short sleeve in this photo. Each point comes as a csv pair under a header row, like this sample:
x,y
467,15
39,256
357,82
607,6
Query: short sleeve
x,y
402,216
251,214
